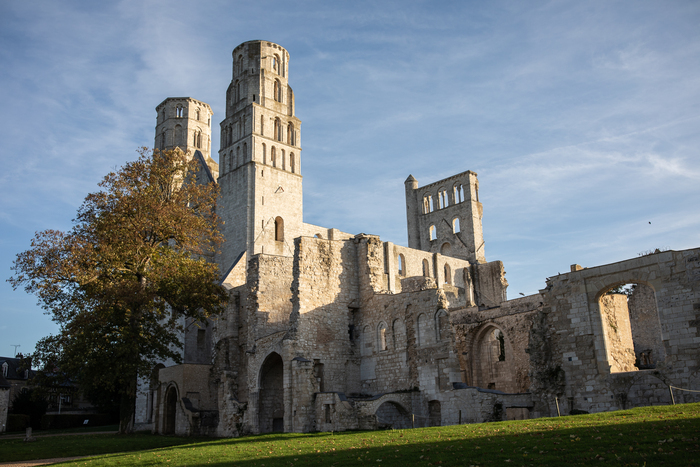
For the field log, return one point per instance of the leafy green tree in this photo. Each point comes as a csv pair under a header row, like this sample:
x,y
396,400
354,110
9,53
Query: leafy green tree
x,y
121,282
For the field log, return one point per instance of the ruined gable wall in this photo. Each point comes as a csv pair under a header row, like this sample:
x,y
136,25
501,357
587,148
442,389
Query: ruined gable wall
x,y
325,286
269,300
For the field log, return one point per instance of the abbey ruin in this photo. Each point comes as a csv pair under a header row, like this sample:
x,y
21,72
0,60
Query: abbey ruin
x,y
327,330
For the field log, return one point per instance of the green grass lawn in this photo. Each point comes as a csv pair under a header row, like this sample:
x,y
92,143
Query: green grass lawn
x,y
646,436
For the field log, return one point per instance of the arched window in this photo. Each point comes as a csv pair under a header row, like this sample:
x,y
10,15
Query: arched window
x,y
284,161
245,153
446,249
239,133
279,229
402,265
276,64
458,193
179,112
178,135
162,140
262,126
442,199
427,204
292,163
381,337
433,233
273,157
455,225
197,114
238,91
290,134
426,268
399,334
238,156
264,154
278,91
448,274
442,325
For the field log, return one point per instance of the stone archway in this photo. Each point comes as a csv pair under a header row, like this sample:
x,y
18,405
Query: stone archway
x,y
271,395
391,414
492,362
170,411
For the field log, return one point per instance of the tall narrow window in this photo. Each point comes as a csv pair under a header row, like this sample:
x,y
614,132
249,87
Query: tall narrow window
x,y
402,265
273,157
199,139
458,193
197,114
381,334
245,153
278,91
284,161
448,274
264,154
179,111
433,233
292,163
279,229
426,268
455,225
442,199
262,126
238,92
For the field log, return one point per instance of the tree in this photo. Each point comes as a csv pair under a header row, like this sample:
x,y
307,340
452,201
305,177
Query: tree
x,y
122,281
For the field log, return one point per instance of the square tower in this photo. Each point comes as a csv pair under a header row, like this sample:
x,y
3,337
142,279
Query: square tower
x,y
445,217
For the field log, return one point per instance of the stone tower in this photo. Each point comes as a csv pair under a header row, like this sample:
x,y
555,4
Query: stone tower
x,y
445,217
185,123
260,156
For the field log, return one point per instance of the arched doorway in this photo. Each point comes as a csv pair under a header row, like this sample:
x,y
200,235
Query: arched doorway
x,y
631,327
492,365
271,395
170,411
392,415
434,413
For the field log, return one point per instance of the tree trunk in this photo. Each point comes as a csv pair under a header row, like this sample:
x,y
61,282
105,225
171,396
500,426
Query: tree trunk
x,y
127,408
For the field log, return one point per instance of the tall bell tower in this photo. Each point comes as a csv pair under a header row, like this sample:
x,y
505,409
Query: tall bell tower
x,y
260,156
185,123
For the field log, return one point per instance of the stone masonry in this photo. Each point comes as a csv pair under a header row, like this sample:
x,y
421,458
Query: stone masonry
x,y
327,330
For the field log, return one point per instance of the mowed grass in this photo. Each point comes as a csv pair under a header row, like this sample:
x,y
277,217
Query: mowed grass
x,y
645,436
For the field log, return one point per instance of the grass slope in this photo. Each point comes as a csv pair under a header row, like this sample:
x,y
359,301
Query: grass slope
x,y
638,437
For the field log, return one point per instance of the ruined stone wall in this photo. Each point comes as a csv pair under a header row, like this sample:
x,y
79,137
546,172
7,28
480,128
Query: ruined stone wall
x,y
646,327
571,330
479,353
618,332
324,291
269,303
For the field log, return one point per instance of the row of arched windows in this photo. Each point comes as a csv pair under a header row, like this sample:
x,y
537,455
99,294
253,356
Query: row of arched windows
x,y
279,160
278,131
432,230
382,338
233,131
428,331
445,198
426,269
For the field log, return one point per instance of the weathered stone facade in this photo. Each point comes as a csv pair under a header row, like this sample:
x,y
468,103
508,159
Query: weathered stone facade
x,y
327,330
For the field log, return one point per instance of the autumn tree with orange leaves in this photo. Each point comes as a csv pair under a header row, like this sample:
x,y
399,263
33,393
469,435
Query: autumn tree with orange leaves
x,y
120,283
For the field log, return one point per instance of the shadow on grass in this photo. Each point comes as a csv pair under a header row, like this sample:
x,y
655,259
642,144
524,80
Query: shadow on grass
x,y
625,438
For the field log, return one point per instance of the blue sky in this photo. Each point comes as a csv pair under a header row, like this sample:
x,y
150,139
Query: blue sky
x,y
582,118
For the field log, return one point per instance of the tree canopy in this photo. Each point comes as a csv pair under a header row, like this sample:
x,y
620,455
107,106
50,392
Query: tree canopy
x,y
121,282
